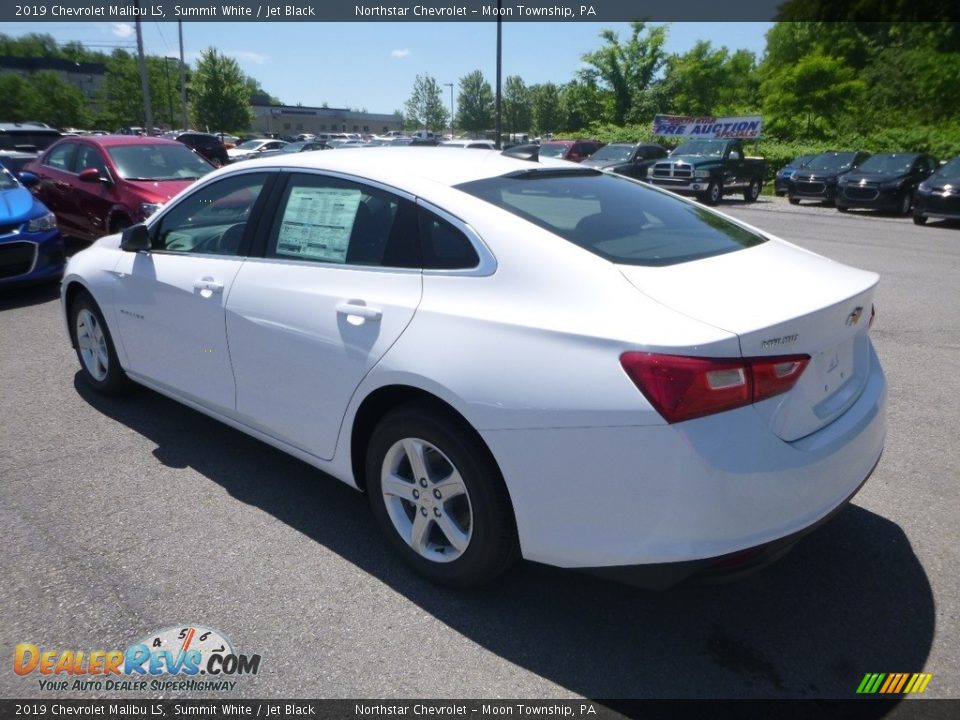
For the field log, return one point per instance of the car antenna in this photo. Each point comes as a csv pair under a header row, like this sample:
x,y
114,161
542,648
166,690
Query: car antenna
x,y
529,152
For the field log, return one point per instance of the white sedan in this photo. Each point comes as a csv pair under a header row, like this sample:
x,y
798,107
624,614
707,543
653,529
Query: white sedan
x,y
511,357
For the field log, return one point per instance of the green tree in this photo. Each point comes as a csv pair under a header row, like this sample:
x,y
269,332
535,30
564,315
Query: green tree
x,y
708,81
424,108
475,104
517,105
59,103
19,98
628,69
221,96
584,103
808,98
547,111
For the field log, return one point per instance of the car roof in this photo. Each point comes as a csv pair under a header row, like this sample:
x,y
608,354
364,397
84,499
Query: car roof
x,y
406,167
116,140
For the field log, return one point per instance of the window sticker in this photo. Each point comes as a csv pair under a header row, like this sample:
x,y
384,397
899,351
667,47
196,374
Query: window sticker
x,y
317,223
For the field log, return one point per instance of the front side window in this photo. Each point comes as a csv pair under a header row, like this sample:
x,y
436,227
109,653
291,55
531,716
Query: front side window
x,y
613,217
89,157
213,219
331,220
61,157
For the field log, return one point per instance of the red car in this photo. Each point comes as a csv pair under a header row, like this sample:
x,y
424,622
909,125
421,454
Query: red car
x,y
97,185
572,150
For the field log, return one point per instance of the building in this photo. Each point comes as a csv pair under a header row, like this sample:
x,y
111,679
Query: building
x,y
88,77
297,119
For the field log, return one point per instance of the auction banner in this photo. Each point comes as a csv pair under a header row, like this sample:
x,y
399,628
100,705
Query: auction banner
x,y
707,126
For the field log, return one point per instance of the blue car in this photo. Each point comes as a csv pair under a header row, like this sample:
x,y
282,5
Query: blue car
x,y
31,247
781,182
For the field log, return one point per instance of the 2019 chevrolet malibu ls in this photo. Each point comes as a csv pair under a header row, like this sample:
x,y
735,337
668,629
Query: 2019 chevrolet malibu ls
x,y
512,357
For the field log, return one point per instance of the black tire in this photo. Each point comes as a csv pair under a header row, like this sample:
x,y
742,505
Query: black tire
x,y
491,546
794,201
119,224
753,191
714,192
842,208
919,219
107,378
906,203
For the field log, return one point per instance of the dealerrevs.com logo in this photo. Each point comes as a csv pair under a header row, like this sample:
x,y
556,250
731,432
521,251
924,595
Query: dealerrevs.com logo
x,y
186,658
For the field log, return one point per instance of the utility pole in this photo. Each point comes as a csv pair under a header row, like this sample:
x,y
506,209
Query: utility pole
x,y
499,64
166,75
183,82
144,82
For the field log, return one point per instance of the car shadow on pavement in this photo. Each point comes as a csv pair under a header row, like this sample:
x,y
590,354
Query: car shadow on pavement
x,y
12,298
852,598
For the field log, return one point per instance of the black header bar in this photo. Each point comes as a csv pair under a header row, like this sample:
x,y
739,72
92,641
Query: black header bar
x,y
40,11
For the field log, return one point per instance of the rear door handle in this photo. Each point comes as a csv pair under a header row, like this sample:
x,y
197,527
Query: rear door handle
x,y
364,311
208,286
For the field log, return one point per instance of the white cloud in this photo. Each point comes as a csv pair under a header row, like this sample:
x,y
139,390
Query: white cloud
x,y
400,54
246,55
123,30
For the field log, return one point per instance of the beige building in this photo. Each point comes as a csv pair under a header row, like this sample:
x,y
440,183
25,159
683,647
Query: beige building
x,y
297,119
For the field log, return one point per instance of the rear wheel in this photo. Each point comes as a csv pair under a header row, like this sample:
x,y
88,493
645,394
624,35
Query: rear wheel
x,y
794,201
753,191
919,219
842,208
100,367
439,498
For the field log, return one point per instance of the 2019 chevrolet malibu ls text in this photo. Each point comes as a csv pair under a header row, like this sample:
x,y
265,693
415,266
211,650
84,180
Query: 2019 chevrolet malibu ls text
x,y
513,358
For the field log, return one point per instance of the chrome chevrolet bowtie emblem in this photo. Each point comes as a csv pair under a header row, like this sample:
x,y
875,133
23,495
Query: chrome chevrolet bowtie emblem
x,y
854,317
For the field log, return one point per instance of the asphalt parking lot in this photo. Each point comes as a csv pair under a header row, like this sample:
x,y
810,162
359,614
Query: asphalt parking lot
x,y
119,517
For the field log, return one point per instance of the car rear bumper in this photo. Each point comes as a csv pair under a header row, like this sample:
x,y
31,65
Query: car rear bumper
x,y
725,568
694,492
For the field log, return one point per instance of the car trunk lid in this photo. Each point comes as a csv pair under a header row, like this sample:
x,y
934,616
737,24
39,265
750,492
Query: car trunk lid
x,y
780,300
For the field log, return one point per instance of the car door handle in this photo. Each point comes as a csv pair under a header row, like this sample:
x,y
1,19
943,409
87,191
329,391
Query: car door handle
x,y
364,311
208,286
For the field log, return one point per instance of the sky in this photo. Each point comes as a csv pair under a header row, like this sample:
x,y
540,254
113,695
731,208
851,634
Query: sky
x,y
372,66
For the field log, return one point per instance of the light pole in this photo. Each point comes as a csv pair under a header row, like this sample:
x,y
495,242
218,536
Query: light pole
x,y
166,73
450,85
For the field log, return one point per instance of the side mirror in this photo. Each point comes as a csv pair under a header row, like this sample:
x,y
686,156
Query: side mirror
x,y
28,179
135,238
90,175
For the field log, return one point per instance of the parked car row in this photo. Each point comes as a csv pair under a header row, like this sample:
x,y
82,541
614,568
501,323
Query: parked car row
x,y
902,183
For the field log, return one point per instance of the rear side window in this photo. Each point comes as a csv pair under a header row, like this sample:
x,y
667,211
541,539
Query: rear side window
x,y
444,246
613,217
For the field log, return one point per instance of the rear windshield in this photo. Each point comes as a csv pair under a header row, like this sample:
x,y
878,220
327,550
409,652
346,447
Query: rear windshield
x,y
616,218
27,140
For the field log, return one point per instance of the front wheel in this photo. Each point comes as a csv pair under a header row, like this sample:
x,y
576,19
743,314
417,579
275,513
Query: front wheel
x,y
100,367
919,219
714,192
906,203
794,201
439,498
753,191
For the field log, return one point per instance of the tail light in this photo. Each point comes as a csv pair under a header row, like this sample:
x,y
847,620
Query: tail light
x,y
682,388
